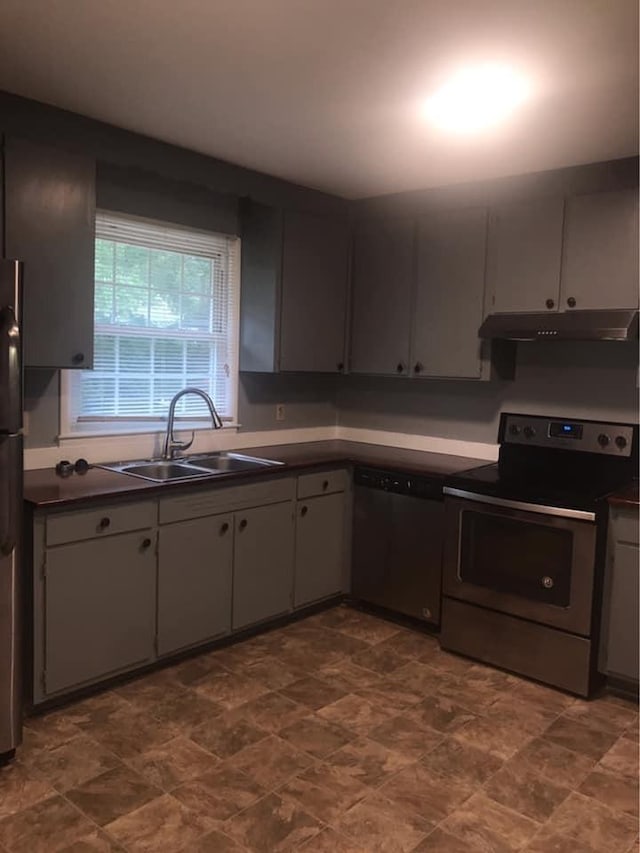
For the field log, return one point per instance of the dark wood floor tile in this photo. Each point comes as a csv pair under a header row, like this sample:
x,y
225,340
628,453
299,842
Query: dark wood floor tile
x,y
364,627
270,672
445,662
51,729
484,823
440,841
439,713
593,743
603,714
532,718
381,660
347,676
618,792
555,762
592,823
410,644
112,794
70,763
368,762
547,841
520,788
420,678
94,842
227,734
194,670
476,689
497,738
354,713
418,790
540,694
335,779
315,735
126,731
389,696
273,825
220,794
45,827
461,761
270,762
169,764
164,824
324,803
229,689
406,735
215,842
378,825
20,789
312,692
272,712
622,758
330,841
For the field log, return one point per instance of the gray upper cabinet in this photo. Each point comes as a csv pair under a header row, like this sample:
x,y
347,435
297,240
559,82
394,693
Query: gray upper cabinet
x,y
524,256
194,594
600,256
382,285
449,294
49,198
263,563
314,293
320,556
294,290
99,608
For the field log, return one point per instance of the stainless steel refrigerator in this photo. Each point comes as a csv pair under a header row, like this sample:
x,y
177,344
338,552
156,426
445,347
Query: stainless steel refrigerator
x,y
11,514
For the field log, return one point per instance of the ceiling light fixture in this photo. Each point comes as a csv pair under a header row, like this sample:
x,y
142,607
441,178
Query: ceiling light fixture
x,y
476,98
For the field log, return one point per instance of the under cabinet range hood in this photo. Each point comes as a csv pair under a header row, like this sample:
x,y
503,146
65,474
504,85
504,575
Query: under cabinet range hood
x,y
600,325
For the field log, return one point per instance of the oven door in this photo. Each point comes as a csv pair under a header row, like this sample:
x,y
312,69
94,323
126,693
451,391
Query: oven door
x,y
523,559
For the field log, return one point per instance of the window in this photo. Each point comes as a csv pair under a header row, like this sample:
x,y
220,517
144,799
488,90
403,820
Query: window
x,y
166,316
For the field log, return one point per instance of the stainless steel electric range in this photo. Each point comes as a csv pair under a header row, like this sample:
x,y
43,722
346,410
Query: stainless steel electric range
x,y
525,547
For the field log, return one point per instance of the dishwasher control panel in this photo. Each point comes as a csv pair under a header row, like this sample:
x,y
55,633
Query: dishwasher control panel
x,y
401,484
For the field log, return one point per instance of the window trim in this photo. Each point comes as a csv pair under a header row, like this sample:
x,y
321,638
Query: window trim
x,y
154,427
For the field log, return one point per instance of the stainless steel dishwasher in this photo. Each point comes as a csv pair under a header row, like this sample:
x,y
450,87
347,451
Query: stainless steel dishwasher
x,y
397,542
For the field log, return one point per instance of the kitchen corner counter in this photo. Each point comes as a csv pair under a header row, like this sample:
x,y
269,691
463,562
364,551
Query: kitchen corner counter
x,y
43,488
628,496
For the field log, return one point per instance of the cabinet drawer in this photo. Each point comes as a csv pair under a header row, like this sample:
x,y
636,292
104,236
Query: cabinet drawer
x,y
225,499
322,483
625,526
102,521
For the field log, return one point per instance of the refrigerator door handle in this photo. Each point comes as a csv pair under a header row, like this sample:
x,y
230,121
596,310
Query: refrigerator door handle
x,y
11,496
10,369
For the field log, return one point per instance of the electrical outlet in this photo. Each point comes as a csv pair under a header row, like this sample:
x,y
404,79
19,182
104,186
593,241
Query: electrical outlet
x,y
280,411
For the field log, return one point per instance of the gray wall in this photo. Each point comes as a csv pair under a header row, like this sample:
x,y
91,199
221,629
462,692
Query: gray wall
x,y
582,380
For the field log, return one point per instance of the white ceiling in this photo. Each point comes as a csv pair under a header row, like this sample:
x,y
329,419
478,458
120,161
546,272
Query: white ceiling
x,y
326,92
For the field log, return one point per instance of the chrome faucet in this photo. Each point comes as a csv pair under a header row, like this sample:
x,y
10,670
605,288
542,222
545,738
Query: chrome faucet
x,y
171,446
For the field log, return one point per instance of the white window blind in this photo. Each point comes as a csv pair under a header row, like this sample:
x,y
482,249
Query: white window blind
x,y
166,316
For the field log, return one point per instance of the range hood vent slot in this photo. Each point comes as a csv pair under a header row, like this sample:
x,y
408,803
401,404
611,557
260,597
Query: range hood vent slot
x,y
618,325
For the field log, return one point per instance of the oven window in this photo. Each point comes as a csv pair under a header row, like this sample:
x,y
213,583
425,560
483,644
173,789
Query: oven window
x,y
516,557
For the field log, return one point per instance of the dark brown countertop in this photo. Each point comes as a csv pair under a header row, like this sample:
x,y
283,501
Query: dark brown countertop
x,y
44,488
626,496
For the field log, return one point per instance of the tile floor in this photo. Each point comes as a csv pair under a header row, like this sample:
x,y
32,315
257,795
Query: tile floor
x,y
339,733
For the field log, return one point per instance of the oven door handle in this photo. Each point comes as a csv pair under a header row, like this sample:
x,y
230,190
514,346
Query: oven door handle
x,y
561,512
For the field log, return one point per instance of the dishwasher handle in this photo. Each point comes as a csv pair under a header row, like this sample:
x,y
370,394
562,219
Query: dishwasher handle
x,y
394,482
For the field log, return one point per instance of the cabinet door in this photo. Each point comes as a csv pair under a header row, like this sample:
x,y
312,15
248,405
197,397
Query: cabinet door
x,y
622,647
314,293
449,294
49,225
100,603
383,271
194,581
524,256
262,563
319,548
600,255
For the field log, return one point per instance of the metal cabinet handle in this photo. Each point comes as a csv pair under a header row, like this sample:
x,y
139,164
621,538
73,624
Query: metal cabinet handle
x,y
571,302
224,528
304,510
77,358
418,367
340,366
325,485
146,543
104,523
243,524
400,367
550,304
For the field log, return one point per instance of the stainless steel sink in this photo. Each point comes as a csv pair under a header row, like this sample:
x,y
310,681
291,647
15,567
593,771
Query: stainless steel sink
x,y
230,462
189,468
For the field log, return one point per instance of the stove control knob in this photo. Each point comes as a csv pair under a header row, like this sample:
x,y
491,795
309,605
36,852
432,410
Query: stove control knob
x,y
529,432
621,442
603,439
514,429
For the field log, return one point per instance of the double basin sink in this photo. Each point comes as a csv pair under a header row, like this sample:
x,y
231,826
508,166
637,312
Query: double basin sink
x,y
189,468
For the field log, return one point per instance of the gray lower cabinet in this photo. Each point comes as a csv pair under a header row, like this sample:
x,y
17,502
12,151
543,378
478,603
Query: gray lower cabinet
x,y
99,608
600,252
195,564
263,563
319,554
620,635
449,298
